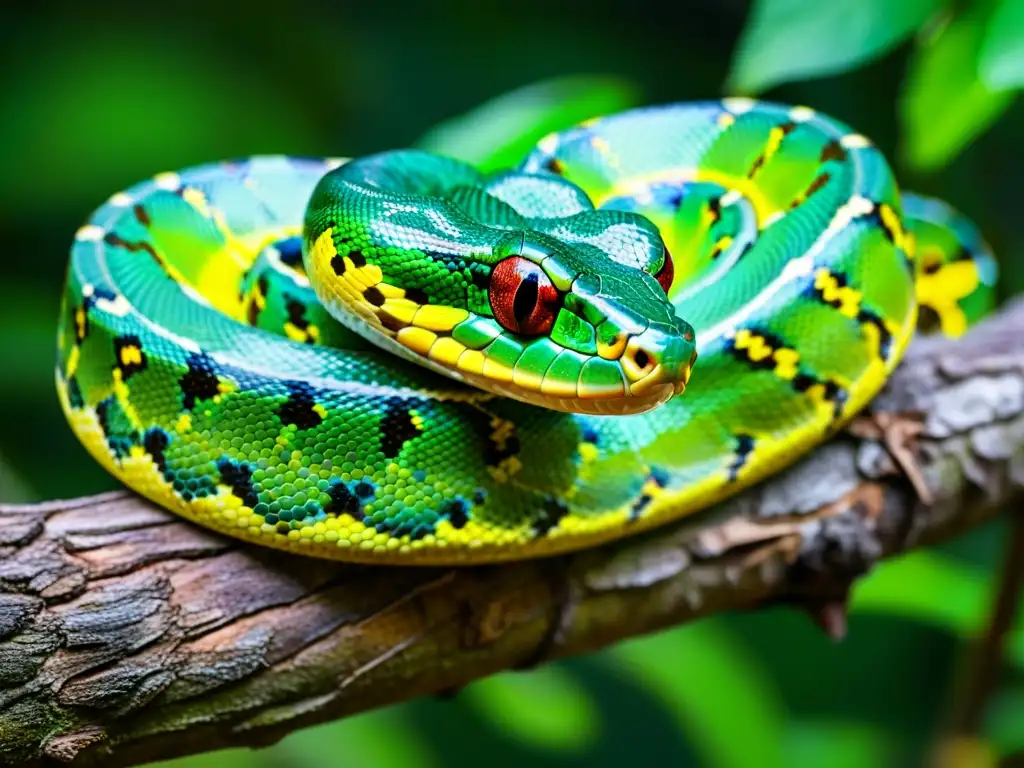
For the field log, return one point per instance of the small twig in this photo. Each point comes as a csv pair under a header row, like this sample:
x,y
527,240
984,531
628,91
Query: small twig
x,y
981,678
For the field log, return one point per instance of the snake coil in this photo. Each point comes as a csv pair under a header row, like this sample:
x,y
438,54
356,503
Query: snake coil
x,y
400,359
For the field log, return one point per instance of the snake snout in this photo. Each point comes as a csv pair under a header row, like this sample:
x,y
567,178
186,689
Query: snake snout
x,y
658,359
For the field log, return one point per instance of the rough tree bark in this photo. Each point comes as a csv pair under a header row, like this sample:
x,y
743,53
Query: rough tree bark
x,y
128,635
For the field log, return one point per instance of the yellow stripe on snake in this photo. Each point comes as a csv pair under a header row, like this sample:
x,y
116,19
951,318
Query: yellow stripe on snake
x,y
400,359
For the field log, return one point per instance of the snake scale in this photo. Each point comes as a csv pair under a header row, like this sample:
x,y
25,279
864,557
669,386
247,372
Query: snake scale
x,y
400,359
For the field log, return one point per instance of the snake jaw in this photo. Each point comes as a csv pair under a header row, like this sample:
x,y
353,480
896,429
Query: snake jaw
x,y
658,358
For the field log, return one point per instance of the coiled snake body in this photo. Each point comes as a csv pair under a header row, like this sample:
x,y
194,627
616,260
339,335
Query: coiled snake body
x,y
398,359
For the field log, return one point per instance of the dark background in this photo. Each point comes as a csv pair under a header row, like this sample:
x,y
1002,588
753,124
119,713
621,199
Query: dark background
x,y
97,97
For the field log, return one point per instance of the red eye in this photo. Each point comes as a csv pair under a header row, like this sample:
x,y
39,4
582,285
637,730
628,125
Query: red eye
x,y
667,272
523,298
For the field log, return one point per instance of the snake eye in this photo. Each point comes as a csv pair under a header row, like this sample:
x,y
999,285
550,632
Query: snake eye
x,y
667,272
523,298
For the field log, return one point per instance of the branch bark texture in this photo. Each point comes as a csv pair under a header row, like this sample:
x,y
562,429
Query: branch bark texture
x,y
129,635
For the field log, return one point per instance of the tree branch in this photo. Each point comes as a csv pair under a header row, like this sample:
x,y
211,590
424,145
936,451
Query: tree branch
x,y
128,634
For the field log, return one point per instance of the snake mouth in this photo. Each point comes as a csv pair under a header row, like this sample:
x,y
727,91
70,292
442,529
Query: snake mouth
x,y
615,406
644,381
622,402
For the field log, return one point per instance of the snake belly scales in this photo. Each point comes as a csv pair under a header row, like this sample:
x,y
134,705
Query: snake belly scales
x,y
400,359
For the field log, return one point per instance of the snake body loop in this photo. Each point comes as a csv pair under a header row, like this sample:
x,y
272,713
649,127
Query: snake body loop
x,y
399,359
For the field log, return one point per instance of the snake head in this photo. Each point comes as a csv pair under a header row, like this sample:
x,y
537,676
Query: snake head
x,y
512,283
597,331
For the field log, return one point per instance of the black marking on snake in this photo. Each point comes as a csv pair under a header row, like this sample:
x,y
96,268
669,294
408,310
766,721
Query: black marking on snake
x,y
786,128
357,258
200,382
114,239
589,435
417,296
155,441
639,506
452,263
290,251
555,166
867,317
297,410
479,496
80,314
140,215
126,348
297,316
928,319
374,296
963,253
363,489
237,475
116,427
551,514
397,427
296,312
766,363
834,150
253,312
670,195
876,216
97,294
744,447
343,501
413,528
832,392
457,512
74,393
660,478
819,182
864,316
495,452
102,415
715,208
480,276
802,382
338,264
892,233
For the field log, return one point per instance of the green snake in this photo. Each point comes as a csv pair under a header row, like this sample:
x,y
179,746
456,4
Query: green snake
x,y
400,359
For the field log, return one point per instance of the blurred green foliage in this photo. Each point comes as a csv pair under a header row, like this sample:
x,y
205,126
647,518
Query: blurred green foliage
x,y
99,97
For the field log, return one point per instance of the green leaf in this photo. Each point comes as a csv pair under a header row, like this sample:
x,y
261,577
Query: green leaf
x,y
787,40
1004,725
13,488
222,758
835,744
930,588
944,105
381,737
545,708
926,586
127,113
500,132
33,312
1001,61
724,701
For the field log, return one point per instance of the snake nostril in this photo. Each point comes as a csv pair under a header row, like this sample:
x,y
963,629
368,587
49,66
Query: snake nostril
x,y
642,359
